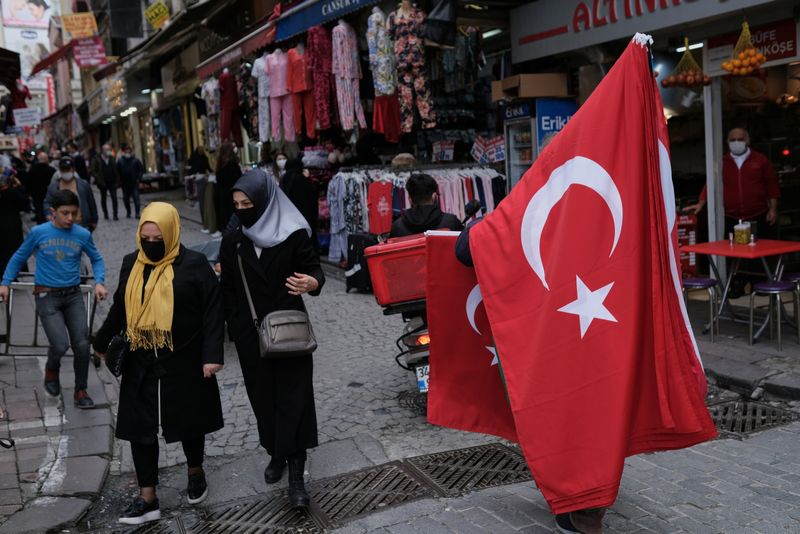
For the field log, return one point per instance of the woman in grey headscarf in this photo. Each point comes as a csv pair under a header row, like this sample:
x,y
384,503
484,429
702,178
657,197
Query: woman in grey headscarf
x,y
279,266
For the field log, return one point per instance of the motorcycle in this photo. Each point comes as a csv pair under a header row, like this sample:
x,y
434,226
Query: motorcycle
x,y
414,343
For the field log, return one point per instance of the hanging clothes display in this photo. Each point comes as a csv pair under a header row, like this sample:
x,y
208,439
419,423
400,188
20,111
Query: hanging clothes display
x,y
405,28
230,125
379,199
301,85
347,72
260,73
248,100
320,63
281,107
386,110
210,94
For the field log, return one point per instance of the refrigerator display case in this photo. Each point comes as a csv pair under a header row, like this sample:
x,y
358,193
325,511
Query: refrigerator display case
x,y
521,146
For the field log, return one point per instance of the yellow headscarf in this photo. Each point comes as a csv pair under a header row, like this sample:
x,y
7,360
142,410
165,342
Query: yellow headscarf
x,y
150,321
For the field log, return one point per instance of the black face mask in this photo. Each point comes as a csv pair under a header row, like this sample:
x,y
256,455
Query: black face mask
x,y
154,250
248,216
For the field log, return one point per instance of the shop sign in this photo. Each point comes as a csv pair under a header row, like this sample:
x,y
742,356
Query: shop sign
x,y
116,93
776,40
517,111
97,106
316,13
8,142
89,52
157,14
80,25
27,117
179,71
489,150
549,27
444,150
27,14
552,114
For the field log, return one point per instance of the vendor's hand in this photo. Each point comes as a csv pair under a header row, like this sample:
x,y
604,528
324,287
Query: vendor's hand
x,y
694,209
210,369
101,355
772,216
301,283
3,293
100,292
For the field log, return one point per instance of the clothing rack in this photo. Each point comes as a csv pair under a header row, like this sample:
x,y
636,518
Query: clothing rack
x,y
412,168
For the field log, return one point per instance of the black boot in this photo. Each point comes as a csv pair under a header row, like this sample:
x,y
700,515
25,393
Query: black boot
x,y
274,470
298,496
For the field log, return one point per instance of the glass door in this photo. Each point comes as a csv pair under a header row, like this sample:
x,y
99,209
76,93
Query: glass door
x,y
520,152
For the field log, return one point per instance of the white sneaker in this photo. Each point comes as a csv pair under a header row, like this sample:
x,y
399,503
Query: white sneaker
x,y
205,231
216,234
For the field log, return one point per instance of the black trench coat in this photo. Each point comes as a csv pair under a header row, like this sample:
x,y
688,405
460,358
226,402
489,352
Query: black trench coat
x,y
190,404
281,391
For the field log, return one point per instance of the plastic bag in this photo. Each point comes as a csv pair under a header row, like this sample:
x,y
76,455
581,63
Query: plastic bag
x,y
745,58
687,73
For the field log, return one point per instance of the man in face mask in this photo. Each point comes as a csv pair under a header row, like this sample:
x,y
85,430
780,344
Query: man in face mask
x,y
750,191
67,178
39,177
130,171
78,161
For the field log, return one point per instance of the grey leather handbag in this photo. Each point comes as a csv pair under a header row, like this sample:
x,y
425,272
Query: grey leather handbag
x,y
282,333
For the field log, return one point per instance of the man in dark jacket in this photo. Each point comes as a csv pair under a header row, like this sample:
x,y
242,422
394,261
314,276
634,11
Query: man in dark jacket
x,y
39,177
67,178
424,213
104,172
130,171
71,149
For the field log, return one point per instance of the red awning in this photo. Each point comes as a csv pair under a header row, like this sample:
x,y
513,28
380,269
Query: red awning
x,y
241,48
52,59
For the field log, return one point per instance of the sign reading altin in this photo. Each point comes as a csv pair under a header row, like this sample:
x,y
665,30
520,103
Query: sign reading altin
x,y
549,27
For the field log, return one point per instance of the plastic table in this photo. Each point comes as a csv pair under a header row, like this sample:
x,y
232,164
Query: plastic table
x,y
760,250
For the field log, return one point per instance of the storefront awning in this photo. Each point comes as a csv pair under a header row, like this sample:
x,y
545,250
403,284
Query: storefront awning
x,y
52,59
248,44
9,68
314,12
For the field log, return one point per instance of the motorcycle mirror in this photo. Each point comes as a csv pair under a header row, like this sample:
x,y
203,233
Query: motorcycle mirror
x,y
472,207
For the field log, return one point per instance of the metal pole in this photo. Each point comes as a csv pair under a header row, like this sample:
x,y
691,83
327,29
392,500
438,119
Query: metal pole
x,y
712,115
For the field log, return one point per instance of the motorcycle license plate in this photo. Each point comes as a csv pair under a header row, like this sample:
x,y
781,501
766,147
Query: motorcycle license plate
x,y
423,373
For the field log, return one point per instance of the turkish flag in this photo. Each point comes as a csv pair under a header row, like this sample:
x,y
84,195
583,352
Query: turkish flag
x,y
580,279
466,391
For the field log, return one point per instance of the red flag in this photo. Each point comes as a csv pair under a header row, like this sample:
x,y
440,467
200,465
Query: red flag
x,y
579,283
465,390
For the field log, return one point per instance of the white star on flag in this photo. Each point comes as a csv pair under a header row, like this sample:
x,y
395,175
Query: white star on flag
x,y
589,305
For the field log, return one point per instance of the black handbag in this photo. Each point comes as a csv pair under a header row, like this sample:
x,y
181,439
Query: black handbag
x,y
116,353
440,24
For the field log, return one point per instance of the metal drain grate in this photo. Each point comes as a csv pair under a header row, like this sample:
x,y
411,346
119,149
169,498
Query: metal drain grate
x,y
157,528
415,401
740,417
363,492
270,515
460,471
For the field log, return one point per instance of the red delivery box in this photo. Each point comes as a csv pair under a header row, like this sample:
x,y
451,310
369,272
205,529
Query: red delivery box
x,y
397,270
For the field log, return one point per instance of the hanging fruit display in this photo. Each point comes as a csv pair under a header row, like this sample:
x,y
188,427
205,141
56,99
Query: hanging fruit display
x,y
745,58
687,73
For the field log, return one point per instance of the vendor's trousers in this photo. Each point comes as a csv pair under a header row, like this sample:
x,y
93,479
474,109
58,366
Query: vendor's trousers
x,y
282,107
349,100
322,98
409,81
304,107
145,459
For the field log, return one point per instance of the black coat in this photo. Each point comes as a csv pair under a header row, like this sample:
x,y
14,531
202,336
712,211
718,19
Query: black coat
x,y
39,177
418,219
281,391
226,179
190,404
301,192
12,201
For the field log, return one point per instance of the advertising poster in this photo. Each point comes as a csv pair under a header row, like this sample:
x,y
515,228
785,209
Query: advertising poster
x,y
32,45
29,13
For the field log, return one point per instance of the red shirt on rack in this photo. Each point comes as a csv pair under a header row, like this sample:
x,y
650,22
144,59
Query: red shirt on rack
x,y
379,206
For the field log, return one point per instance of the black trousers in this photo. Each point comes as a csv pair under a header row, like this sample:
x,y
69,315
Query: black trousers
x,y
104,193
131,191
145,459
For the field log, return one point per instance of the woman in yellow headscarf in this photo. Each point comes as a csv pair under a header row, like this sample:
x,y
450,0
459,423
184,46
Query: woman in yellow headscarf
x,y
169,307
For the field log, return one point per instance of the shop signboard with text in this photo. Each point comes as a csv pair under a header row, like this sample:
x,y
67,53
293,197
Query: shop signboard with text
x,y
776,40
311,13
89,52
27,117
27,14
80,25
552,114
157,14
550,27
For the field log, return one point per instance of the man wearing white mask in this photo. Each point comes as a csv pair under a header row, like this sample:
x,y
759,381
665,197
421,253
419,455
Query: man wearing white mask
x,y
750,192
67,178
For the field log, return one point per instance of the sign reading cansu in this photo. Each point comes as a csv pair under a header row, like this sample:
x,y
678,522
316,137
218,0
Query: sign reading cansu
x,y
549,27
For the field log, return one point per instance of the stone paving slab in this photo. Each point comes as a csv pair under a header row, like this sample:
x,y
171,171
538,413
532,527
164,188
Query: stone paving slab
x,y
76,476
45,514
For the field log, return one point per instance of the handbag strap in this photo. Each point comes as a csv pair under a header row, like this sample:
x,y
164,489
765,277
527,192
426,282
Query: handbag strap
x,y
247,288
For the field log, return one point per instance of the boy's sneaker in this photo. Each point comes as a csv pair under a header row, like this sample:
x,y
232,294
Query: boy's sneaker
x,y
51,383
197,490
140,511
83,400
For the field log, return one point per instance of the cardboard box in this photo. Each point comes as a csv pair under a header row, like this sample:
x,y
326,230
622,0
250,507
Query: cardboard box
x,y
530,86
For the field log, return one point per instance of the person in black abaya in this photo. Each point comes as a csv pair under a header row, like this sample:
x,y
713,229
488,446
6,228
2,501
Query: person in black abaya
x,y
301,192
13,199
279,265
228,171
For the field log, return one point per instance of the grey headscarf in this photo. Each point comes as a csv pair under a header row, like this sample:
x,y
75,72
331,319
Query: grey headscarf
x,y
279,217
